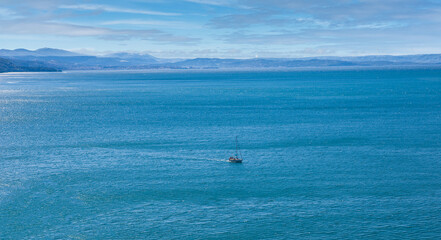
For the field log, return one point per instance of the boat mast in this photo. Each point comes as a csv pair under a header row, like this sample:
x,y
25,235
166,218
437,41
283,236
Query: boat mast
x,y
238,152
236,148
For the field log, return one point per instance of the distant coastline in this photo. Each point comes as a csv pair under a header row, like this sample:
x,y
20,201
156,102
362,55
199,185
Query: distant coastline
x,y
293,69
267,69
56,60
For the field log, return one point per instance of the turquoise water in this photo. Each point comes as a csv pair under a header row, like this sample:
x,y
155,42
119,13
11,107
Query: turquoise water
x,y
137,155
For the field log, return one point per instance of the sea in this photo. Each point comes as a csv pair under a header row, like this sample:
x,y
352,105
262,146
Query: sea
x,y
327,154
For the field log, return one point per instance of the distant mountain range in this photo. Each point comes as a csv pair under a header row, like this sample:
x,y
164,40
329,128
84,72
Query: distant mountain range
x,y
65,60
42,52
49,59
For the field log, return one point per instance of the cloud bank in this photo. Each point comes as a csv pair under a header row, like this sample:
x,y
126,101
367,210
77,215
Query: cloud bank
x,y
298,27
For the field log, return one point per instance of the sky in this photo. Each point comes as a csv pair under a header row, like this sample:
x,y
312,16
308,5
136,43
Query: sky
x,y
224,28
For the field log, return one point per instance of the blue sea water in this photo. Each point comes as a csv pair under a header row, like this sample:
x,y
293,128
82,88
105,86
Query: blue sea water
x,y
351,154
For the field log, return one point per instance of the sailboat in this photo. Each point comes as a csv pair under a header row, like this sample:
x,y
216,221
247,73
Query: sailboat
x,y
236,159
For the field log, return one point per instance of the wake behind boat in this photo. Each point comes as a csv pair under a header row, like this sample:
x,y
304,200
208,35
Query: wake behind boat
x,y
236,158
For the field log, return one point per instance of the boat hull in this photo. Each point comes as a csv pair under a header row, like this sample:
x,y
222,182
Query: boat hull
x,y
235,160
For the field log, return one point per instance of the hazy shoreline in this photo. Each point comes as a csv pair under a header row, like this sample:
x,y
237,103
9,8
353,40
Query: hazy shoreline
x,y
269,69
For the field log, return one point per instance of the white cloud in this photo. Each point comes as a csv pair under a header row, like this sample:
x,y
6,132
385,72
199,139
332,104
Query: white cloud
x,y
7,14
170,24
94,7
62,29
211,2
